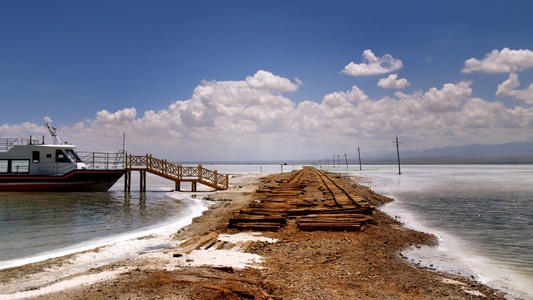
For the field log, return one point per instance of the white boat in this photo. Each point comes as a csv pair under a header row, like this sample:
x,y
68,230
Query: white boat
x,y
30,165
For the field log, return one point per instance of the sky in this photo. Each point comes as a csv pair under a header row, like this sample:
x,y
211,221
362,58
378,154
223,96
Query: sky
x,y
267,80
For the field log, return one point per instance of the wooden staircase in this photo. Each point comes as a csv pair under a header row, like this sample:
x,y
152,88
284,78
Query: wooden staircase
x,y
171,171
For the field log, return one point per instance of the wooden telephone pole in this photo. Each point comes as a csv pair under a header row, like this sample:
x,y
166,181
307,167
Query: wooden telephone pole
x,y
398,152
359,154
346,159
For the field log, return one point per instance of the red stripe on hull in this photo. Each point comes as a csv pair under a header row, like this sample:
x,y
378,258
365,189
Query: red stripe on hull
x,y
78,180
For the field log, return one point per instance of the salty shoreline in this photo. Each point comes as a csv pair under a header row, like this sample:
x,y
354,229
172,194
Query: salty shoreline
x,y
366,264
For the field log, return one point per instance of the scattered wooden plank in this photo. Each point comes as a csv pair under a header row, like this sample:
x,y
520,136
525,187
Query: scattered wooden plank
x,y
265,211
238,245
257,219
190,241
329,226
209,243
259,226
187,247
246,245
218,245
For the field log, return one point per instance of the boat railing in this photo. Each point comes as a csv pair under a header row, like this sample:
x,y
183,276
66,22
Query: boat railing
x,y
104,160
8,143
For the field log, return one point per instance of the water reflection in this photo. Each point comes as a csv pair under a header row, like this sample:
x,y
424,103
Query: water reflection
x,y
32,223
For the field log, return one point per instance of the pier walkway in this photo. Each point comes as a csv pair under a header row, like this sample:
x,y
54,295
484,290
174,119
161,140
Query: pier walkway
x,y
171,171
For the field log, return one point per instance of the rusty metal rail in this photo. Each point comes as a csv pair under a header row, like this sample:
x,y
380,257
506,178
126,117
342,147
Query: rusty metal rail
x,y
175,172
341,197
295,198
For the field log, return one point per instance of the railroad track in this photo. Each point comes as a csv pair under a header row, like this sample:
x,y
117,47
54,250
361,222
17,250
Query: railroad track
x,y
340,196
311,198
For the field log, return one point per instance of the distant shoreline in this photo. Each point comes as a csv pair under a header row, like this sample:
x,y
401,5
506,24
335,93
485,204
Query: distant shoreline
x,y
469,160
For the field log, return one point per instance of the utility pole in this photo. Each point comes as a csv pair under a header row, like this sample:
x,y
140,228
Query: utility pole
x,y
338,161
398,153
359,154
346,159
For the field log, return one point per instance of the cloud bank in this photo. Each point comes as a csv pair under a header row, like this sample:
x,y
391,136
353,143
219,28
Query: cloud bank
x,y
255,119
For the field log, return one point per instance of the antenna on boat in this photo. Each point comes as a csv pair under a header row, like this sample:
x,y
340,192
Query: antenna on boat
x,y
53,133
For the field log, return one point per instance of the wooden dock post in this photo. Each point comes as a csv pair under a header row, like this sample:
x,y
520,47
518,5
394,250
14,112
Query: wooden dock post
x,y
127,181
142,180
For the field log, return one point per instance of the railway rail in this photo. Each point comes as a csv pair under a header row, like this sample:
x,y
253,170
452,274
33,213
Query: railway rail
x,y
340,196
311,198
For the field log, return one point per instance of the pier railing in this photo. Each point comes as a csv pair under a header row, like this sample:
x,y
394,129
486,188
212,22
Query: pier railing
x,y
176,172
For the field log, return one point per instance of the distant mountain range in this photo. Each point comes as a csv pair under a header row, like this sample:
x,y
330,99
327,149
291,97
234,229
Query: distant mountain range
x,y
509,153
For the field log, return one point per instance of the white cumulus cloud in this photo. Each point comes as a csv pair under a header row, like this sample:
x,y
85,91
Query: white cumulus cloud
x,y
504,61
373,65
508,88
392,82
268,81
450,98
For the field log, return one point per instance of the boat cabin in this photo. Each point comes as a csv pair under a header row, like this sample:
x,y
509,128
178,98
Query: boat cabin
x,y
27,156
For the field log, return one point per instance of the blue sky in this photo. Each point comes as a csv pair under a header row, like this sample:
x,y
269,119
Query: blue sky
x,y
225,80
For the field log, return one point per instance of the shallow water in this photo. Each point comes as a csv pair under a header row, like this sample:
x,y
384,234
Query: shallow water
x,y
482,215
33,223
37,226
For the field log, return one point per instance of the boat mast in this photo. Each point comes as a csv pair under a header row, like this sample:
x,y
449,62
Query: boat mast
x,y
53,133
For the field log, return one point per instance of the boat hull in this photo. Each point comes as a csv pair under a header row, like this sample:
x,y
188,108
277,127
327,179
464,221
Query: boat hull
x,y
74,181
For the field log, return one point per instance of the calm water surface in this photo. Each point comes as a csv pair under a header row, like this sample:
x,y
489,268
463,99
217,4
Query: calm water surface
x,y
482,214
35,223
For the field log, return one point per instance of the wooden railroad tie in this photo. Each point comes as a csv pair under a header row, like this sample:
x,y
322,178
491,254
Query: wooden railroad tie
x,y
337,210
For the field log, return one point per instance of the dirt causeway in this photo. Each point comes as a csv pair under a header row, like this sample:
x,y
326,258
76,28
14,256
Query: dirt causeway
x,y
315,264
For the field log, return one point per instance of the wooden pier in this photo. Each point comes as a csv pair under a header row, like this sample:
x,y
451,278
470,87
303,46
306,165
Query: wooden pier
x,y
171,171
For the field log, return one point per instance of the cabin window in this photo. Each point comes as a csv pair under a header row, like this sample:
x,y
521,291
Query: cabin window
x,y
4,165
73,155
35,156
20,166
48,155
14,165
61,156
